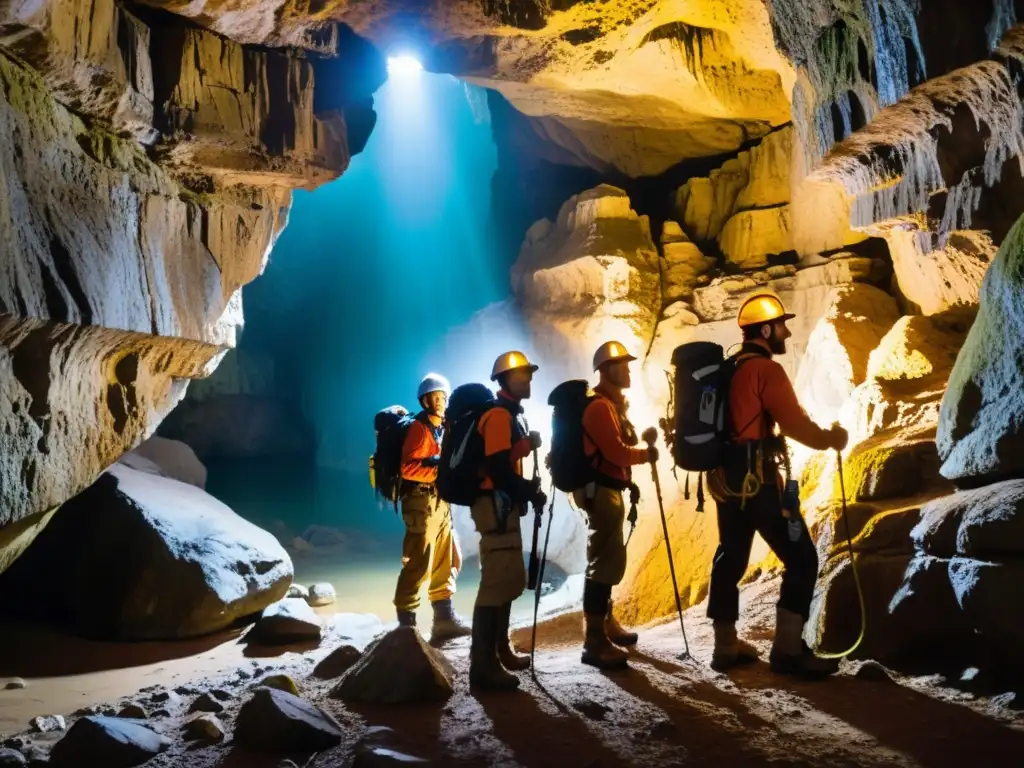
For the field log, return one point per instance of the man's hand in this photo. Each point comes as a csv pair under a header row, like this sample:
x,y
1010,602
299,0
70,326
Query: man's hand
x,y
540,499
535,440
838,437
652,454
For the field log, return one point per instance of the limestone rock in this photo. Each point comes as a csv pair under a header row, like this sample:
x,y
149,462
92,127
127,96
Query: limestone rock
x,y
321,594
337,662
989,594
132,711
107,741
279,721
297,590
281,683
981,426
925,608
203,728
705,204
397,668
750,237
206,703
10,758
920,349
682,266
857,317
137,556
169,458
986,523
671,232
768,178
934,279
891,465
48,723
288,620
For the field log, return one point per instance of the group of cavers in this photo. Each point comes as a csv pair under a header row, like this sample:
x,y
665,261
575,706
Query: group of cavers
x,y
469,446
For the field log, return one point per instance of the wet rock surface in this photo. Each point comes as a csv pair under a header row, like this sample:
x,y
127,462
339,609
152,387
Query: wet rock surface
x,y
276,720
98,740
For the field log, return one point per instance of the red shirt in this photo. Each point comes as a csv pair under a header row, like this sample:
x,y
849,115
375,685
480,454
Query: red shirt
x,y
603,433
495,427
420,444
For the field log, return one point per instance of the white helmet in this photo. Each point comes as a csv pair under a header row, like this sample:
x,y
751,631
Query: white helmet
x,y
433,382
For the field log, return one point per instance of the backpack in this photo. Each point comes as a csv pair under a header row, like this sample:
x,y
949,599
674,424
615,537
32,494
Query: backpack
x,y
703,375
571,468
462,450
391,425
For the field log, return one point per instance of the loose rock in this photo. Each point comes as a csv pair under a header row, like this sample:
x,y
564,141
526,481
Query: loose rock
x,y
288,620
337,662
297,590
206,703
371,757
321,594
9,758
108,742
281,683
276,720
397,668
203,728
132,712
14,684
221,695
48,723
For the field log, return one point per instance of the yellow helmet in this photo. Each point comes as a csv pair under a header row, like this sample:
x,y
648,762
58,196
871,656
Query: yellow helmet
x,y
762,307
609,351
510,361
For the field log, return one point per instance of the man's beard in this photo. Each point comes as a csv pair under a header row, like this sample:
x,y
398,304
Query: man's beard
x,y
777,346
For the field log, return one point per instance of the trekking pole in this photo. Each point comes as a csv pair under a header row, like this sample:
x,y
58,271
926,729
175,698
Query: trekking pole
x,y
540,577
649,438
538,513
634,497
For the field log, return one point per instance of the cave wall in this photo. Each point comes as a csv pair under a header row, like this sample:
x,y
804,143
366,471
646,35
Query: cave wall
x,y
146,171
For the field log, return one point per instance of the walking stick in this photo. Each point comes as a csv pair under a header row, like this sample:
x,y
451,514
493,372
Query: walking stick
x,y
538,513
540,577
649,437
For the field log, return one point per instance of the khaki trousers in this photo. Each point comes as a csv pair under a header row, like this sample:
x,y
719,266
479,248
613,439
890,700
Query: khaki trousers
x,y
606,545
430,550
502,573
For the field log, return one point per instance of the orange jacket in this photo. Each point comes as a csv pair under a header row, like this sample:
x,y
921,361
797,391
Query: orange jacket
x,y
419,444
496,427
760,386
602,429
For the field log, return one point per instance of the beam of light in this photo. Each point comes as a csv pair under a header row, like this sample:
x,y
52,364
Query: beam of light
x,y
404,65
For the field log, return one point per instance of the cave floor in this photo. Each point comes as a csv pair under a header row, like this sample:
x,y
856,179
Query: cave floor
x,y
665,710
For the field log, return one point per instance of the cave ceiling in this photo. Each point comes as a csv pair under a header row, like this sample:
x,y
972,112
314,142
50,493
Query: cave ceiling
x,y
631,87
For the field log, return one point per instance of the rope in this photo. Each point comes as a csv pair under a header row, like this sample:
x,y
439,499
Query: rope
x,y
856,574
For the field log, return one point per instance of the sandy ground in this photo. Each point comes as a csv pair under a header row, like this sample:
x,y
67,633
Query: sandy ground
x,y
665,710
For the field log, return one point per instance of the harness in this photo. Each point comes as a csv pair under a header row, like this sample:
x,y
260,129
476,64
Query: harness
x,y
771,448
410,487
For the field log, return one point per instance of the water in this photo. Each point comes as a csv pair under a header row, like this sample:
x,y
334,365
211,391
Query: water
x,y
357,546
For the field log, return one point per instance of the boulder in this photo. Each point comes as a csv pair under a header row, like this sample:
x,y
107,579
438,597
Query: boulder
x,y
206,703
132,711
321,594
281,683
10,758
141,557
397,668
891,465
337,662
986,523
203,728
750,237
981,424
288,620
671,232
48,723
704,204
925,617
769,176
172,458
297,590
990,595
108,741
278,721
14,684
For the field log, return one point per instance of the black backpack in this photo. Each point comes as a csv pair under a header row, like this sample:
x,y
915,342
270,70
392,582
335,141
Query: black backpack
x,y
571,468
703,375
462,450
391,425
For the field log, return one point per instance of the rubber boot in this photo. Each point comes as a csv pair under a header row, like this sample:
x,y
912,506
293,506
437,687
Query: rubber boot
x,y
447,623
790,654
598,650
509,659
485,671
730,651
615,631
407,618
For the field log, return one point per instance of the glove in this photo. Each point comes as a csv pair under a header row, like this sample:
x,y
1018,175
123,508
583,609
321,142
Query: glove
x,y
838,437
535,440
540,499
652,454
431,461
650,435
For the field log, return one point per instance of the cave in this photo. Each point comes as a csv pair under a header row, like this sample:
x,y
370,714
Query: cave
x,y
233,236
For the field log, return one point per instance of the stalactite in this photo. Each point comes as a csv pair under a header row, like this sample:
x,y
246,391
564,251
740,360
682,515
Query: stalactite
x,y
689,40
1004,16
